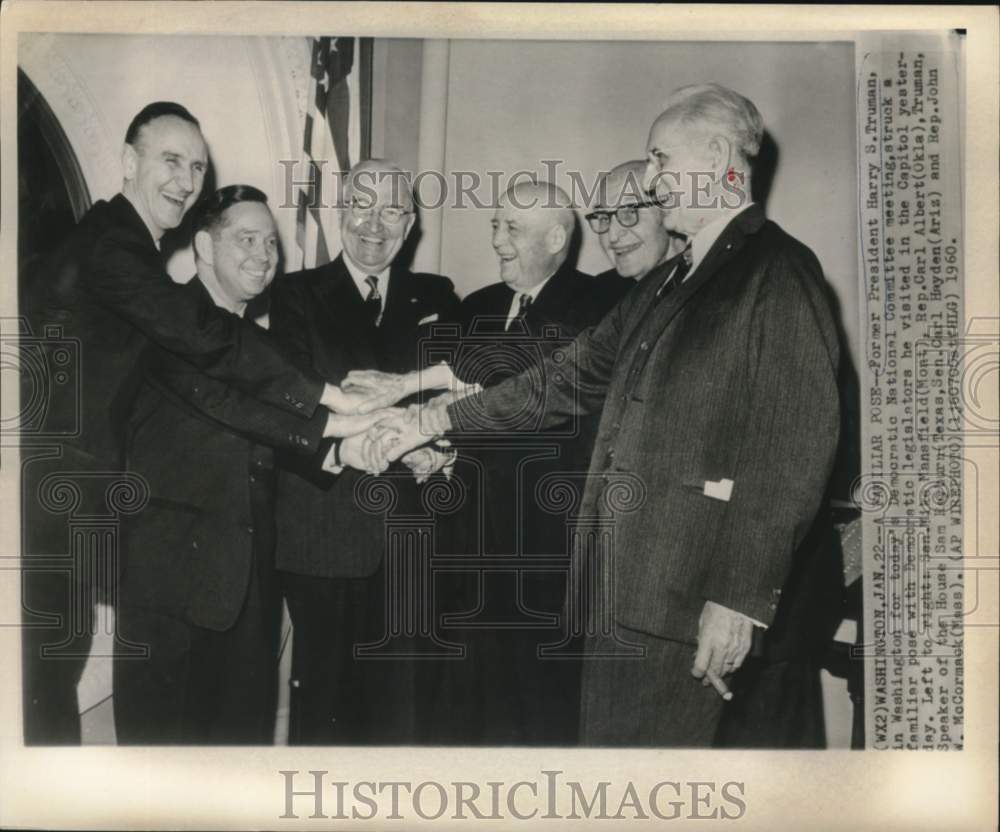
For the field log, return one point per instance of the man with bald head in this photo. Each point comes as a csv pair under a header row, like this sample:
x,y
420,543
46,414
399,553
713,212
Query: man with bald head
x,y
503,691
716,382
629,225
363,310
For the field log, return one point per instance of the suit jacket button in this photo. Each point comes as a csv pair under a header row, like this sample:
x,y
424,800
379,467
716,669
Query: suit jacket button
x,y
249,529
194,544
644,346
299,405
287,397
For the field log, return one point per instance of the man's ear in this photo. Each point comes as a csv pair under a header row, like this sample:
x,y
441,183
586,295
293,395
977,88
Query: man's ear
x,y
130,161
203,247
721,150
556,239
410,220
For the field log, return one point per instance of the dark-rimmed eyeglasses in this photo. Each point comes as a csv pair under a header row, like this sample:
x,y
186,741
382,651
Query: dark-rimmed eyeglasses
x,y
627,215
389,214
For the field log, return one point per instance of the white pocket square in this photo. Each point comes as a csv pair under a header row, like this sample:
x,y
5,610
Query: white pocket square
x,y
721,490
428,320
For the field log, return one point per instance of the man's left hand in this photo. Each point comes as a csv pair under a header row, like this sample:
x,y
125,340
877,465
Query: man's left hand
x,y
724,639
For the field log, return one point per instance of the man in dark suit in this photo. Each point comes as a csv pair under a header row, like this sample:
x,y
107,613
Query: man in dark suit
x,y
629,225
718,432
106,287
359,311
506,692
198,588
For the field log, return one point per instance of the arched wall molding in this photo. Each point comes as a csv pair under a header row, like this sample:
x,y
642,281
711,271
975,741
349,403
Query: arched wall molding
x,y
79,115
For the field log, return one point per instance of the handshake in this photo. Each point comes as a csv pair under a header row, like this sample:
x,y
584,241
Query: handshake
x,y
375,433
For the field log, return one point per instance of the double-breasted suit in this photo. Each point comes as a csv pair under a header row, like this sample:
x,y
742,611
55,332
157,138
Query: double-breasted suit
x,y
106,294
198,586
719,425
329,548
504,691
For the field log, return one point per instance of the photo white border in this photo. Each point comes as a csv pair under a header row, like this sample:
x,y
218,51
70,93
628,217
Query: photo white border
x,y
119,788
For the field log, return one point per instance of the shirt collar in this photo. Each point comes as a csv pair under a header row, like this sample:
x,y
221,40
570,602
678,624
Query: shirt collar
x,y
702,242
359,277
535,290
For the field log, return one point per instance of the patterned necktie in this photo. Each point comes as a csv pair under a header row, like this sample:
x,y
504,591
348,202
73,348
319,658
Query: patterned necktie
x,y
676,273
373,303
523,303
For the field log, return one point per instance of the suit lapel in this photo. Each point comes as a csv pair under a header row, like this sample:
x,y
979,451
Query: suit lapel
x,y
344,323
554,299
723,250
400,301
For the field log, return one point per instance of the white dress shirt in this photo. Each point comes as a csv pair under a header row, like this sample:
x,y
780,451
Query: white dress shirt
x,y
360,277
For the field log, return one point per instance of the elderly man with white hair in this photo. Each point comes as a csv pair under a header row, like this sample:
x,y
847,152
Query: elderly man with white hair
x,y
365,309
716,381
504,693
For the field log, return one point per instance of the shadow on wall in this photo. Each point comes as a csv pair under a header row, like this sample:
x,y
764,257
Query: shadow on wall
x,y
763,170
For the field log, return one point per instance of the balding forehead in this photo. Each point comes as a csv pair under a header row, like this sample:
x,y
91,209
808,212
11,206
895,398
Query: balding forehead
x,y
539,202
536,194
623,182
383,176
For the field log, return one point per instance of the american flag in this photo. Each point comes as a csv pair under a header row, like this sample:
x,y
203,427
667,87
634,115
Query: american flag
x,y
325,148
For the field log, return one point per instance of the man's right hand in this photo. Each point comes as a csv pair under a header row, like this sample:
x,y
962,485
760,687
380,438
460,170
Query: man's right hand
x,y
435,377
415,427
360,401
340,424
364,452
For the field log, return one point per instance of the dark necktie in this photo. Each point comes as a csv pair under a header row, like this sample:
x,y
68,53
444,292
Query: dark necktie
x,y
677,268
523,303
373,303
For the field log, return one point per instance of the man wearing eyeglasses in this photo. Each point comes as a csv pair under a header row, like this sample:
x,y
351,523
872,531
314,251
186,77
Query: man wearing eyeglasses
x,y
361,311
717,387
629,225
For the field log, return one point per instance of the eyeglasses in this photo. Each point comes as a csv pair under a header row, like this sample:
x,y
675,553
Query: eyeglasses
x,y
389,214
627,215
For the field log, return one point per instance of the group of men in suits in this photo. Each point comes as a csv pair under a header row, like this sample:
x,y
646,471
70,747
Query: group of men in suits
x,y
702,543
184,400
698,374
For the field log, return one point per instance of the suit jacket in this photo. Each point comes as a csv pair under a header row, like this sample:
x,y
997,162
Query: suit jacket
x,y
565,306
318,314
107,287
188,553
731,376
610,287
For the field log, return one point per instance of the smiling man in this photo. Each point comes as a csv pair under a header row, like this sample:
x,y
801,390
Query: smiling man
x,y
630,228
108,291
199,586
716,382
363,310
504,693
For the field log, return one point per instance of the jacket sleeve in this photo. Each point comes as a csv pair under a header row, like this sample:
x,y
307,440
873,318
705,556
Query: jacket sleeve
x,y
565,384
124,278
260,422
791,434
291,326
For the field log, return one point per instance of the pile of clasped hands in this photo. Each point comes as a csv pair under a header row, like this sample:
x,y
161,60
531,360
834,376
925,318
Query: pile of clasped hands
x,y
374,433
